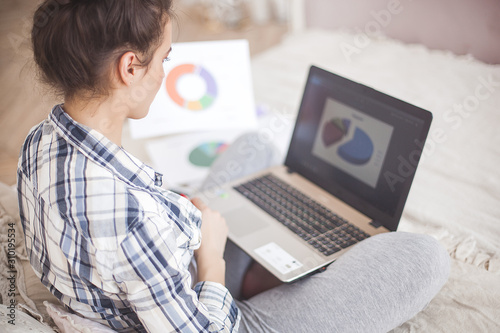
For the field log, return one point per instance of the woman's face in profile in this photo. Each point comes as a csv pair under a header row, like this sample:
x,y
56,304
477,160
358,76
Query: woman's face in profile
x,y
145,89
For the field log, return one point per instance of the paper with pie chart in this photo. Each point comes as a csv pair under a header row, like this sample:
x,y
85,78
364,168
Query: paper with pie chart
x,y
207,86
352,141
187,158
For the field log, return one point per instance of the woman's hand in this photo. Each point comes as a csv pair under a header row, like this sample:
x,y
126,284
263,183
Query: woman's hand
x,y
209,257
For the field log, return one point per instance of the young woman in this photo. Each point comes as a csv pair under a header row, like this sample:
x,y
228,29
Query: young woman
x,y
116,248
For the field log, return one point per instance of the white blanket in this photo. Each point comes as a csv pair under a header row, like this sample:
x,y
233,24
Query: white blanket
x,y
456,192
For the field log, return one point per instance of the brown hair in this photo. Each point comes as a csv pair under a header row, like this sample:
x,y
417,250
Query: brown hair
x,y
75,41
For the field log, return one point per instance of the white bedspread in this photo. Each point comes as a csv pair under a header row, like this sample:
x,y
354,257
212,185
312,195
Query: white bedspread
x,y
456,192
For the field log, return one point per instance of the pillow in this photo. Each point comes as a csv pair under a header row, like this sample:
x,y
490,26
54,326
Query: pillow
x,y
71,323
23,323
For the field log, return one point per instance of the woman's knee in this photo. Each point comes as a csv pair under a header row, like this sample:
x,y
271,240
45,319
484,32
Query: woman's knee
x,y
434,250
420,254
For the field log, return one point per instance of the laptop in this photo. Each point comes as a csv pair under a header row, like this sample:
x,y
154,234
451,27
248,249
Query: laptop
x,y
347,174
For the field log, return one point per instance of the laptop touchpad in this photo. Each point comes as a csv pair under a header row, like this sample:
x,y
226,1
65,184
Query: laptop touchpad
x,y
243,221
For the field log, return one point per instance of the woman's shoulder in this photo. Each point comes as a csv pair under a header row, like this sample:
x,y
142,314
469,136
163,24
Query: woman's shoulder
x,y
31,145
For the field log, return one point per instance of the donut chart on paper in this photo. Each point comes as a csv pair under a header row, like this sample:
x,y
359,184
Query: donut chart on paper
x,y
205,154
195,105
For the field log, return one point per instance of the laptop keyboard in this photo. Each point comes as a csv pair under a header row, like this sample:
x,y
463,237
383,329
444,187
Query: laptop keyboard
x,y
317,225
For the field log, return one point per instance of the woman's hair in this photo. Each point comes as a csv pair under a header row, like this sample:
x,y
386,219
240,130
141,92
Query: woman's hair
x,y
75,41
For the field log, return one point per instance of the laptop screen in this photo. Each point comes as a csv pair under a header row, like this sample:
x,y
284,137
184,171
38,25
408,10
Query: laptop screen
x,y
359,144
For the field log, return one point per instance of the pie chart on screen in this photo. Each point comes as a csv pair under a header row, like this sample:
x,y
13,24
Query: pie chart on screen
x,y
205,100
206,153
358,150
335,130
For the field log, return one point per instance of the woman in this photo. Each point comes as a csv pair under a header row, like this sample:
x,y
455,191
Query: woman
x,y
114,247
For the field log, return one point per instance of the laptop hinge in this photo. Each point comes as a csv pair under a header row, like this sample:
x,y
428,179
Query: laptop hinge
x,y
375,224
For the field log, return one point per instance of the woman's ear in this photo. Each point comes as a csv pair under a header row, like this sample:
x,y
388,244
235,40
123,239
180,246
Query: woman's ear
x,y
127,69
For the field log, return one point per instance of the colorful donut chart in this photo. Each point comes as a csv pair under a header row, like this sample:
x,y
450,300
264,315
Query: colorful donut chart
x,y
201,104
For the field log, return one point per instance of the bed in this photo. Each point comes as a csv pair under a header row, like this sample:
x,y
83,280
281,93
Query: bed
x,y
455,196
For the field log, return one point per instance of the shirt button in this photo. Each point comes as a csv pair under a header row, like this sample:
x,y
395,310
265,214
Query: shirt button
x,y
158,179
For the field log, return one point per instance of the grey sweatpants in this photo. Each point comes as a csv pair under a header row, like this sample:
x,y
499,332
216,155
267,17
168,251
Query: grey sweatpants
x,y
377,285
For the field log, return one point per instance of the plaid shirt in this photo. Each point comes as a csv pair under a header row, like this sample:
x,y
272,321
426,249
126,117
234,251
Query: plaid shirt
x,y
108,242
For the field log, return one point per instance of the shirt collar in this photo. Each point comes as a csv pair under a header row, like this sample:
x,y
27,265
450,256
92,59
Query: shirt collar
x,y
103,151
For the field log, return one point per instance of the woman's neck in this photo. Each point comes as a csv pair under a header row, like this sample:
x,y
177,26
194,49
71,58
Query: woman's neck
x,y
102,115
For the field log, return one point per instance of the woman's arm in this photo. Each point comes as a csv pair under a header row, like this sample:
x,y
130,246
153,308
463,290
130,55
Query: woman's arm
x,y
157,286
209,257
